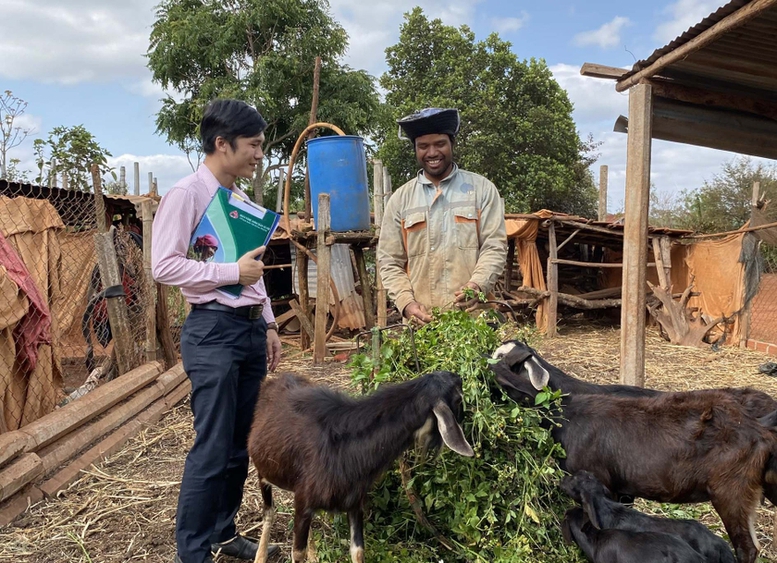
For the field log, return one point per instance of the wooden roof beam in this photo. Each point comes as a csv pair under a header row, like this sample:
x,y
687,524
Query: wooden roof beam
x,y
594,70
701,97
730,22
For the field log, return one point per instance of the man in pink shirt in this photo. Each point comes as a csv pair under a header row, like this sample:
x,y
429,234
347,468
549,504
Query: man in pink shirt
x,y
227,344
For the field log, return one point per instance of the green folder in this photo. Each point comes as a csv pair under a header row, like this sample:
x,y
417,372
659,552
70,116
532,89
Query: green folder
x,y
230,227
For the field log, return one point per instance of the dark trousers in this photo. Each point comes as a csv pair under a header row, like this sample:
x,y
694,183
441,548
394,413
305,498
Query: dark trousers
x,y
225,357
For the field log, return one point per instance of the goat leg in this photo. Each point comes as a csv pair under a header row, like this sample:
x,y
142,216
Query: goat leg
x,y
303,517
356,520
738,518
268,518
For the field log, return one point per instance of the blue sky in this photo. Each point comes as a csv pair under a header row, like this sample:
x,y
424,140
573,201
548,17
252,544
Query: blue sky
x,y
82,62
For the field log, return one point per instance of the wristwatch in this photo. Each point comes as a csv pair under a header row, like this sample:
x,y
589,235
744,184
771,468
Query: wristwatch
x,y
272,326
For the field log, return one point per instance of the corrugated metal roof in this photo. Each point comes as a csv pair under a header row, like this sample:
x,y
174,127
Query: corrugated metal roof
x,y
686,36
743,60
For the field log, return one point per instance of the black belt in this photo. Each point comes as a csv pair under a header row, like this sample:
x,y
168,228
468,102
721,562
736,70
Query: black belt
x,y
249,311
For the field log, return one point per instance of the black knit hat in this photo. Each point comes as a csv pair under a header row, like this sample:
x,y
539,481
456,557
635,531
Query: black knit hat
x,y
430,121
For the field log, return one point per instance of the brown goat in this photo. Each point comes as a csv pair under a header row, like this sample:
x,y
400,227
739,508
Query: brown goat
x,y
676,447
329,448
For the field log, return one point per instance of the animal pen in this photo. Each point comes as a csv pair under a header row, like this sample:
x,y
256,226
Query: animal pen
x,y
62,334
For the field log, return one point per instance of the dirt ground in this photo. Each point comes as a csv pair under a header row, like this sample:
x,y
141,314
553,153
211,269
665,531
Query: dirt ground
x,y
124,509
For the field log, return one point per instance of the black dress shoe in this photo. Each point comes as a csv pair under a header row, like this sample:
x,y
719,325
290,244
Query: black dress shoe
x,y
241,547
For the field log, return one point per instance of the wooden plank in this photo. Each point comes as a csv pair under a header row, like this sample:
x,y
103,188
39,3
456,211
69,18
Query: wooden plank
x,y
171,379
305,336
19,473
18,504
635,239
567,240
106,447
603,181
323,279
65,449
163,327
136,179
594,70
552,281
588,264
304,321
366,285
52,426
732,21
12,444
146,210
117,306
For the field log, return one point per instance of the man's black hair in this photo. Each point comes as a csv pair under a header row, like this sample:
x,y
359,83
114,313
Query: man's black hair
x,y
229,119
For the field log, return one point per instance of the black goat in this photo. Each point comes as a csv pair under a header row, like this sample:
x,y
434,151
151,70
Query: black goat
x,y
329,448
622,546
606,514
525,362
676,447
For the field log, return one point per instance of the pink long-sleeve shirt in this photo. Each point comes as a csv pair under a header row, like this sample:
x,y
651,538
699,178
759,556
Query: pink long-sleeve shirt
x,y
176,219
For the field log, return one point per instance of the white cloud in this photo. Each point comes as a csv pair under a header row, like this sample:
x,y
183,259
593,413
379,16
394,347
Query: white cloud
x,y
684,14
509,25
607,36
373,26
81,40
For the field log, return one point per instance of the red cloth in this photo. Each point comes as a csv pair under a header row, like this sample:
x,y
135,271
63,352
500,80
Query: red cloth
x,y
34,328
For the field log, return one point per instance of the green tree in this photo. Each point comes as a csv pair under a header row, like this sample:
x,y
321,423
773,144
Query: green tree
x,y
11,134
517,127
724,203
69,152
260,51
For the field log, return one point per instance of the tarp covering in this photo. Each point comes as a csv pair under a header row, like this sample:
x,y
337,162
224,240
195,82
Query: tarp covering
x,y
31,228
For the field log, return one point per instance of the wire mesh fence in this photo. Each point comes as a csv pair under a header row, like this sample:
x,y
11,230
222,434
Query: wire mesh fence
x,y
763,316
56,340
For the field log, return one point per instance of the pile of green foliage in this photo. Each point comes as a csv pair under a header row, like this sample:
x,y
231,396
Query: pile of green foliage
x,y
503,505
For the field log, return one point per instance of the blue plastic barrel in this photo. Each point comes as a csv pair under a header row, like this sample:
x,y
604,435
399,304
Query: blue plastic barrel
x,y
338,167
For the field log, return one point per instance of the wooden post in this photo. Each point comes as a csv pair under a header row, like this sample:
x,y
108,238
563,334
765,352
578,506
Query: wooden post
x,y
311,121
64,181
137,178
155,190
150,182
52,174
756,193
746,317
510,264
323,273
99,202
304,295
663,261
364,279
148,219
552,281
123,179
163,327
635,236
117,306
377,197
603,179
386,184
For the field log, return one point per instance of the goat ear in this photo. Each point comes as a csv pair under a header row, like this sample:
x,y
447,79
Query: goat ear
x,y
538,375
589,507
769,420
451,432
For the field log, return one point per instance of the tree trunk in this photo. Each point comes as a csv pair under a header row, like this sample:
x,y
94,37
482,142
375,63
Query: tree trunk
x,y
258,183
681,324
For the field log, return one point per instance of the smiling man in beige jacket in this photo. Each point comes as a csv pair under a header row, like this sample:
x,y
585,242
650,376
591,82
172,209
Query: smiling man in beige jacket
x,y
444,230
